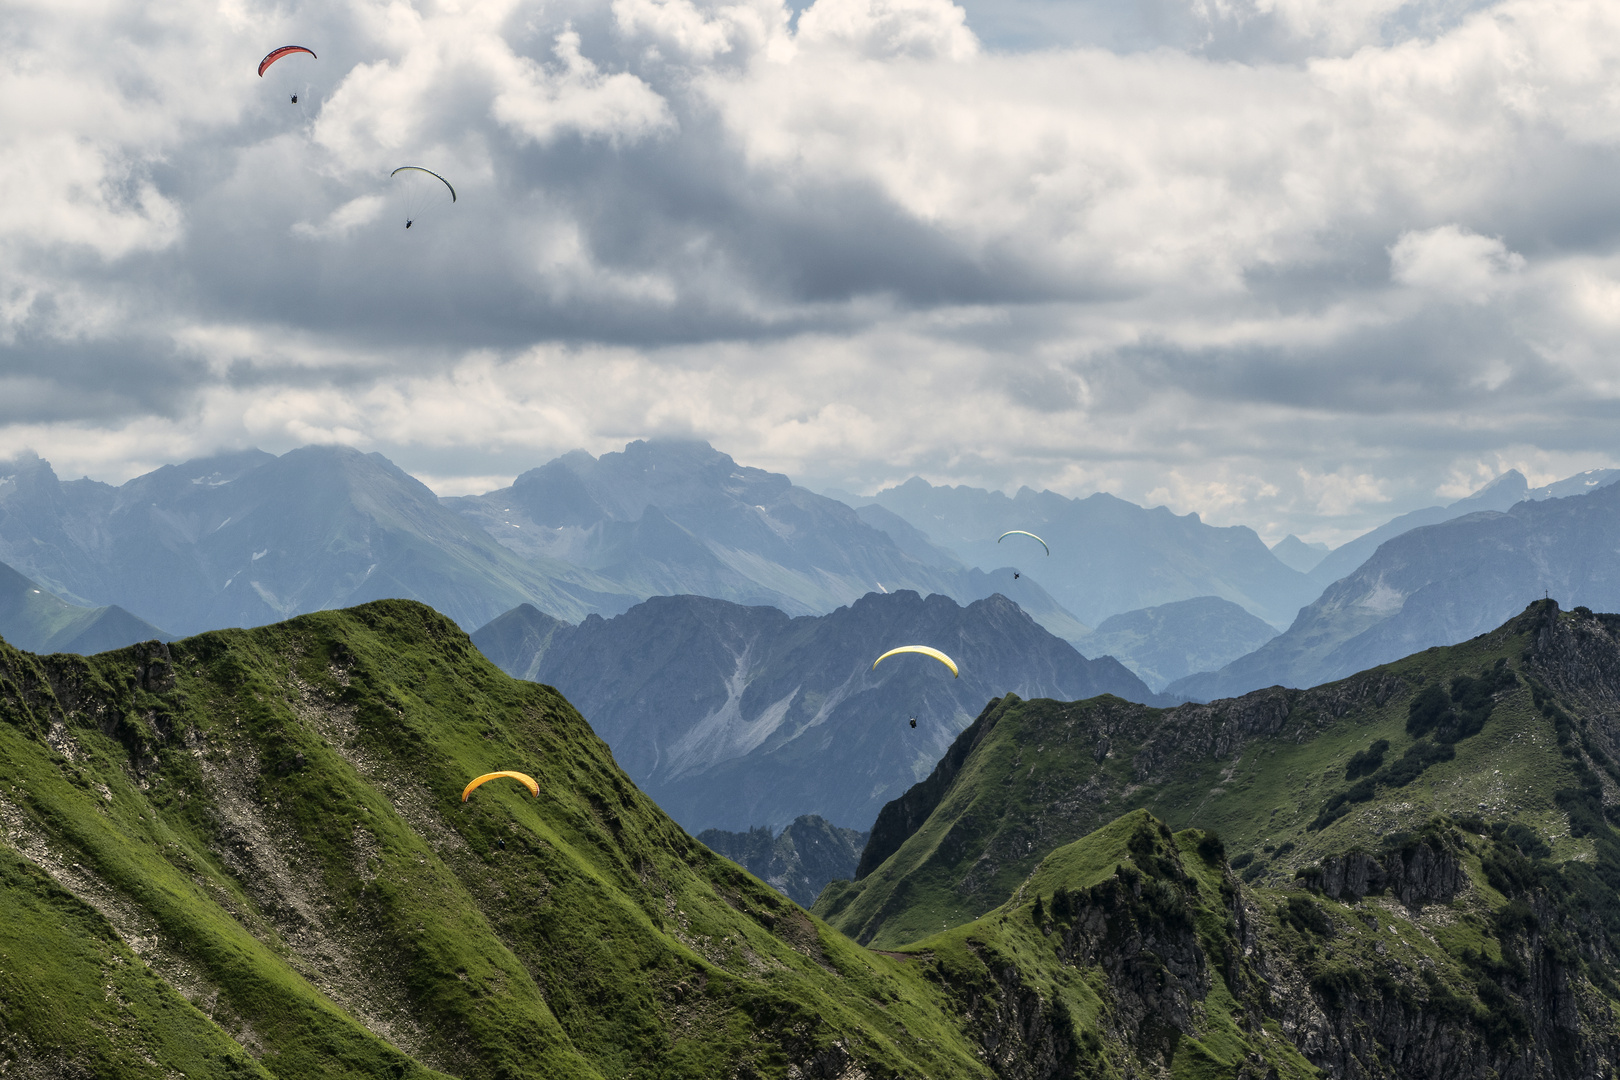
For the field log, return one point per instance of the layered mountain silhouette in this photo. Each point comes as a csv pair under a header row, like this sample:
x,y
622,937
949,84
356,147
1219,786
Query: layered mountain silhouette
x,y
250,854
32,618
671,517
1295,553
733,716
1108,556
1501,493
1440,584
248,538
1168,642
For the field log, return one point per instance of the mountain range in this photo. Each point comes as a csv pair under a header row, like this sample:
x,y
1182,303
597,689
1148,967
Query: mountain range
x,y
250,854
247,538
1427,842
1439,584
1108,556
732,716
799,861
34,619
1167,642
667,517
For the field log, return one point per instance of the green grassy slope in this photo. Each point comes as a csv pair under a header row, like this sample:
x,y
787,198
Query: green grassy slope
x,y
1257,770
246,854
1135,951
270,823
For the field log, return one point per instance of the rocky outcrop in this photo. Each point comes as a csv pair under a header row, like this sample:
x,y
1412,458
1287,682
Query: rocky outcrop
x,y
1418,875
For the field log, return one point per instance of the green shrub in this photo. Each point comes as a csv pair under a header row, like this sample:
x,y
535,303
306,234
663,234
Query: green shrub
x,y
1304,915
1366,762
1426,709
1418,757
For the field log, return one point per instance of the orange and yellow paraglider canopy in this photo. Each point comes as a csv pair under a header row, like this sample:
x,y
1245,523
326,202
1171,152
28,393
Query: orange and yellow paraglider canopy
x,y
525,780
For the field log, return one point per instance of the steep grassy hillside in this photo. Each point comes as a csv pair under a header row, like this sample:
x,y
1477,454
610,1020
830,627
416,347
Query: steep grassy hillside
x,y
1418,877
1029,776
246,854
1455,950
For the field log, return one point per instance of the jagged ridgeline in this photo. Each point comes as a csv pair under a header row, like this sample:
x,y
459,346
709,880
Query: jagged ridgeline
x,y
1409,873
245,854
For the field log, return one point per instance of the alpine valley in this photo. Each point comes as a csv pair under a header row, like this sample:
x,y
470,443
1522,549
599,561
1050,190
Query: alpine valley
x,y
247,853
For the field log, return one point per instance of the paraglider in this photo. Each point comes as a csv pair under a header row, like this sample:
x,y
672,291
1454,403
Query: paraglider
x,y
294,80
913,721
420,193
277,54
1021,532
924,650
526,781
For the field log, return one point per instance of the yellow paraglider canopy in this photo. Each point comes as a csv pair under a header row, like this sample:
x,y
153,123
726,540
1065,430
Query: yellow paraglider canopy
x,y
926,651
526,781
1021,532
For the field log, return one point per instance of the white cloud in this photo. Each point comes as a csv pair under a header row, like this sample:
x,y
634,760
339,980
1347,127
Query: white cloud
x,y
1452,261
541,103
854,245
885,29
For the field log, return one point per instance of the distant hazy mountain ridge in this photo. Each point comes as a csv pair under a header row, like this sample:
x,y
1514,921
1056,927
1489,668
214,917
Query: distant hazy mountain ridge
x,y
733,716
247,538
1440,584
1108,556
32,618
1167,642
667,518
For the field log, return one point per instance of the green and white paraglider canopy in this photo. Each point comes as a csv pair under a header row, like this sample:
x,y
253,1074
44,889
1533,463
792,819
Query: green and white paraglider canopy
x,y
1021,532
420,191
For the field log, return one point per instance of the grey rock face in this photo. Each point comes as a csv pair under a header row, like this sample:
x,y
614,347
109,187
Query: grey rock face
x,y
733,716
1416,877
809,853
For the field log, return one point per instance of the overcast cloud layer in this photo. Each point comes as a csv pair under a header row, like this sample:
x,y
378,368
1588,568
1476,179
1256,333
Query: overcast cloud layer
x,y
1298,264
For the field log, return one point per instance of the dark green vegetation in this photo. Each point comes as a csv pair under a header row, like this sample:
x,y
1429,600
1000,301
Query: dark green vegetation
x,y
799,861
1455,914
246,854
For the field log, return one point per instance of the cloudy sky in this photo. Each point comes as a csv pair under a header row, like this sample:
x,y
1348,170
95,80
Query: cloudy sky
x,y
1296,264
